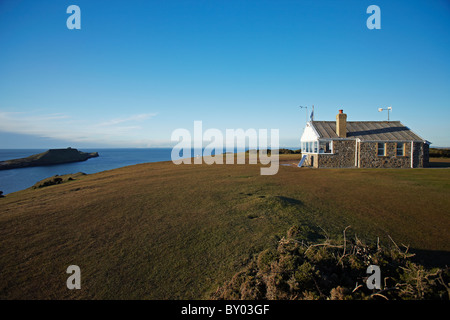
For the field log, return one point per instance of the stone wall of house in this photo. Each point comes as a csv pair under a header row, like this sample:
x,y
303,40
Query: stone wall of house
x,y
426,155
311,161
421,155
369,158
416,158
343,155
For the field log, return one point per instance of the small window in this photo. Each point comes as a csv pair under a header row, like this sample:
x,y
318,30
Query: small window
x,y
381,149
324,146
310,146
400,149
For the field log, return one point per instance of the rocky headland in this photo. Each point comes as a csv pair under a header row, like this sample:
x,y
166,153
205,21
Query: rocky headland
x,y
49,157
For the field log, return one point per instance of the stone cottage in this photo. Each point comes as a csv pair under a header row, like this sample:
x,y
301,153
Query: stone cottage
x,y
362,144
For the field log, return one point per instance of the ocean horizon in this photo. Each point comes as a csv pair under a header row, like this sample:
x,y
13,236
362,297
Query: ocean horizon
x,y
13,180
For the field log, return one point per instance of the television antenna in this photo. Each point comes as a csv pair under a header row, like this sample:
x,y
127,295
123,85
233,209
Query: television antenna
x,y
302,107
388,110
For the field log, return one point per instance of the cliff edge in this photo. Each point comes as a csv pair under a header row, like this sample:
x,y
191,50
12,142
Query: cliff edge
x,y
49,157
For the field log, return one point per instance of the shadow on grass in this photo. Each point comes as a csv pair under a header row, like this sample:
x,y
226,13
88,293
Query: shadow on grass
x,y
438,164
431,258
289,201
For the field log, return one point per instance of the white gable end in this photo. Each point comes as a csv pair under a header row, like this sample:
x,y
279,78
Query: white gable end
x,y
309,134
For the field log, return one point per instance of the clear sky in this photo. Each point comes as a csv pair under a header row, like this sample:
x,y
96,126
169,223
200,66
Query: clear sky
x,y
138,70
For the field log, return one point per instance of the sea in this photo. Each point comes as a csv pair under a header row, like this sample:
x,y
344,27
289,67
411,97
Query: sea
x,y
13,180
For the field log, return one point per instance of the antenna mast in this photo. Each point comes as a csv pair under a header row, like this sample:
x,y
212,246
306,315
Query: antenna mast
x,y
388,110
306,112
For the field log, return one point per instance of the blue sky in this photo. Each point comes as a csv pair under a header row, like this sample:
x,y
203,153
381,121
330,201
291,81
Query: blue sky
x,y
138,70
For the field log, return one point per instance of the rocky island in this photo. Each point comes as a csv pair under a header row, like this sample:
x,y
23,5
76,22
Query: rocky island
x,y
49,157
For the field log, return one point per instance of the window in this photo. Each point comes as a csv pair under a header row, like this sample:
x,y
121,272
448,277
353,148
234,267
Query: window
x,y
324,146
381,149
400,149
310,146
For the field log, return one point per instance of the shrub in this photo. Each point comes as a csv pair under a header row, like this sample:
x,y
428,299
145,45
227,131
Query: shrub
x,y
439,153
334,270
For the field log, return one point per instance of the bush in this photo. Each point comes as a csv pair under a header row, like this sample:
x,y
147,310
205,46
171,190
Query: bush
x,y
334,270
57,180
439,153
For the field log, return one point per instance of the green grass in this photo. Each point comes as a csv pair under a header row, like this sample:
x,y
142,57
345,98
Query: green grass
x,y
161,231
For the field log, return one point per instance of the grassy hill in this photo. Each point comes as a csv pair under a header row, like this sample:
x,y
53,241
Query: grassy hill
x,y
161,231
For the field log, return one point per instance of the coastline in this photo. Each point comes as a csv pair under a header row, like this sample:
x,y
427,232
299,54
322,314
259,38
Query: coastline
x,y
165,231
14,180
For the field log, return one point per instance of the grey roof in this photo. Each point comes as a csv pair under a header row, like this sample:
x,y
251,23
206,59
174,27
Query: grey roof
x,y
368,130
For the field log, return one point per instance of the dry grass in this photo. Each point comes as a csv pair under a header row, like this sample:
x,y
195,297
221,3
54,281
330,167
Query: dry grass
x,y
161,231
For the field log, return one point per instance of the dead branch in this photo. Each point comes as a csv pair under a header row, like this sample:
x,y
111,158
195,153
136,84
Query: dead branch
x,y
395,244
322,245
357,287
345,246
326,234
378,294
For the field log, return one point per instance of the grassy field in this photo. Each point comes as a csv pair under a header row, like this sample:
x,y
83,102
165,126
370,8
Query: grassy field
x,y
161,231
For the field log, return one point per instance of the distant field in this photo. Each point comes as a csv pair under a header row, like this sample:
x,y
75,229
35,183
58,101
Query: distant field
x,y
440,152
161,231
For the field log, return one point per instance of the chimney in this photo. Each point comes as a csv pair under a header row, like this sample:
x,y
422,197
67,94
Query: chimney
x,y
341,124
